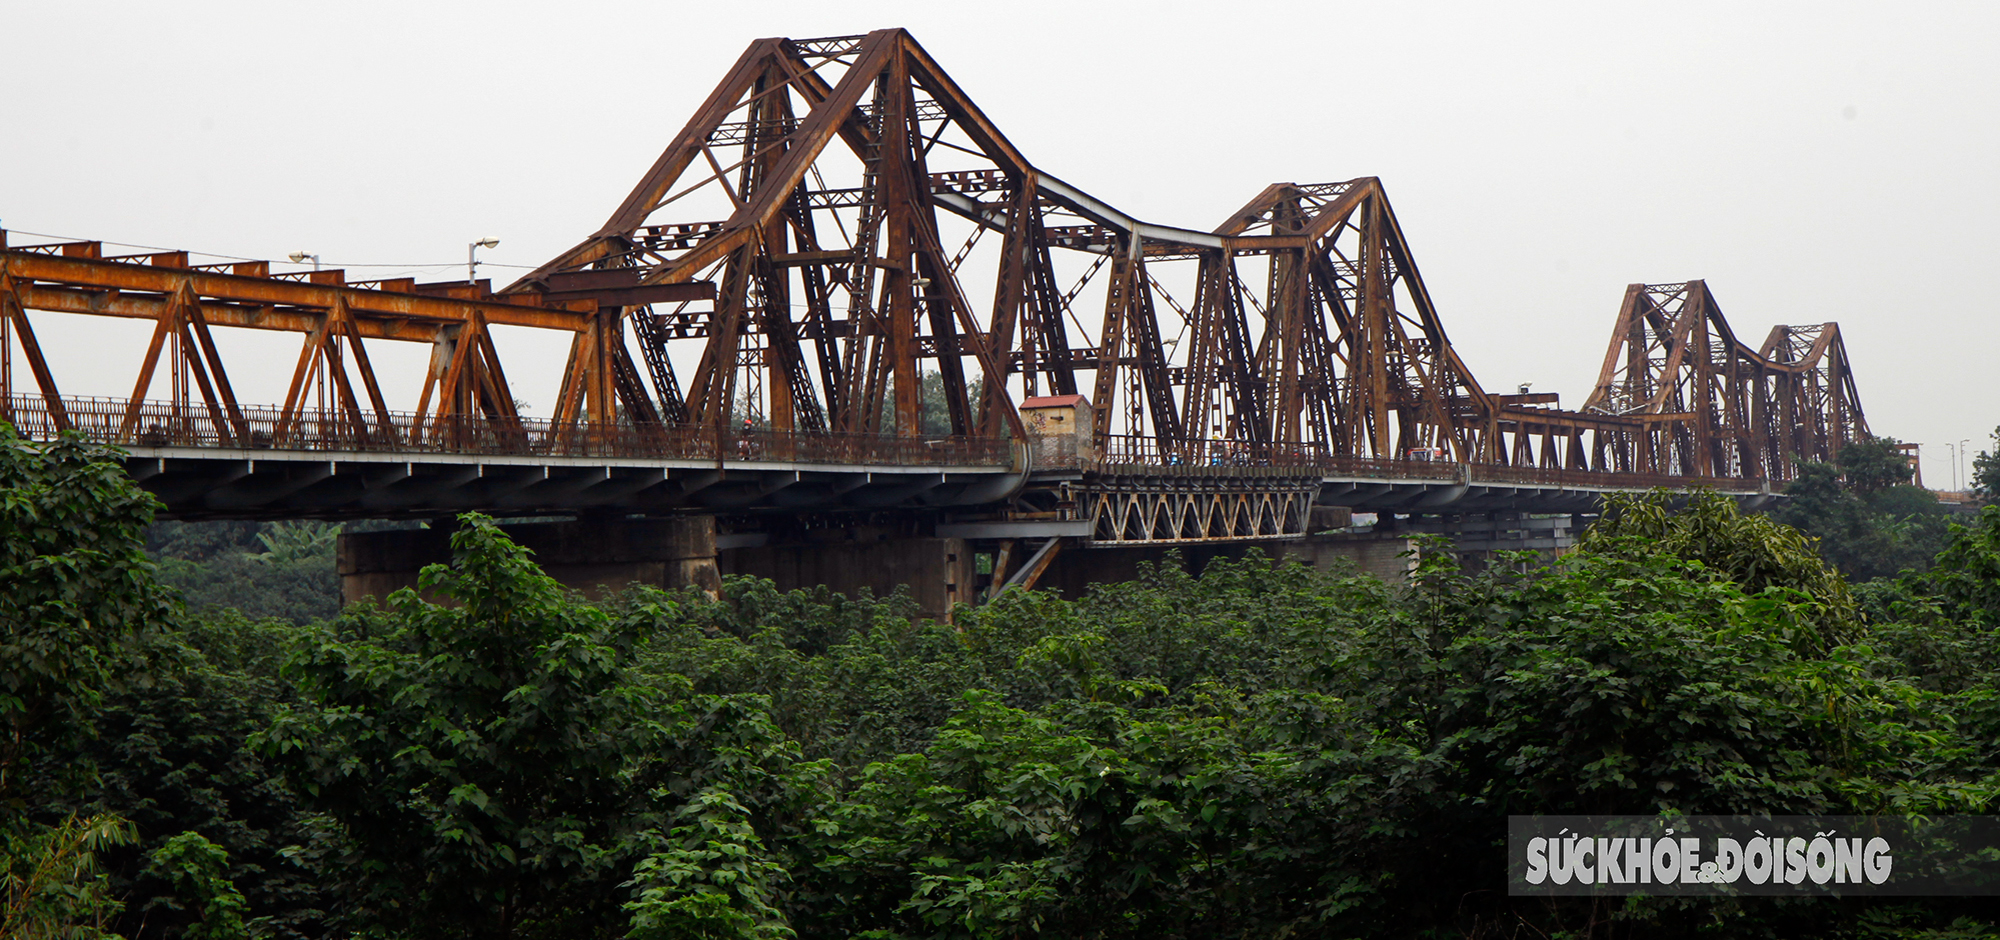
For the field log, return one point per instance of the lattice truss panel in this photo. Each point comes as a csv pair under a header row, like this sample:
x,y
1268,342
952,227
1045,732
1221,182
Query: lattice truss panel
x,y
1145,516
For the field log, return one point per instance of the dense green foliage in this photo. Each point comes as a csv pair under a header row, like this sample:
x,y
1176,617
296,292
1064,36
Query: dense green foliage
x,y
491,760
1870,522
126,720
74,590
263,570
197,871
1261,751
170,755
1986,471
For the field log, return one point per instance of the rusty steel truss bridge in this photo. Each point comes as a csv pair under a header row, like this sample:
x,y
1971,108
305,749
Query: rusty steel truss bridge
x,y
842,289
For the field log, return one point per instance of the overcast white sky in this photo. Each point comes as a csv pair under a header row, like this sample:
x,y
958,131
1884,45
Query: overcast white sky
x,y
1812,161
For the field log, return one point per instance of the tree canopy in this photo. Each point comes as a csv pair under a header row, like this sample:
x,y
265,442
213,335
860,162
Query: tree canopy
x,y
1259,750
1870,522
1986,470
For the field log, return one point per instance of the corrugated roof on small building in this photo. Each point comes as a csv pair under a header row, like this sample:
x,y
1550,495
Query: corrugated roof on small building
x,y
1055,401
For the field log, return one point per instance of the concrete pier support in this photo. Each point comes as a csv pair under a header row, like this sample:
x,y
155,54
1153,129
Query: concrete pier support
x,y
594,556
1386,555
1379,554
938,571
602,555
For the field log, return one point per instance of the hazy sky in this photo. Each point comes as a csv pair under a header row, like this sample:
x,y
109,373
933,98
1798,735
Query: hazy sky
x,y
1811,161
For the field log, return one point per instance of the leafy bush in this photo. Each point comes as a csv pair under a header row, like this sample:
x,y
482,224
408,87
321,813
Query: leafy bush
x,y
1261,751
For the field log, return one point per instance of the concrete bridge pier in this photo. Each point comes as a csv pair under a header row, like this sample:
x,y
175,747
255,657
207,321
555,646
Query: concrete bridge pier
x,y
1379,554
939,571
599,556
593,555
1475,536
941,564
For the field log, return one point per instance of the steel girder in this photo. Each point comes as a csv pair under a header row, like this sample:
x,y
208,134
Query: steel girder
x,y
1124,515
333,389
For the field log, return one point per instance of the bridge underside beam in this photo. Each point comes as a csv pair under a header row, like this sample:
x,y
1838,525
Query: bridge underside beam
x,y
200,484
596,557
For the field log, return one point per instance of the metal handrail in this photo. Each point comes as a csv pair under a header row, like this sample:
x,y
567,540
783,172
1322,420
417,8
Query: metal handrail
x,y
171,424
191,424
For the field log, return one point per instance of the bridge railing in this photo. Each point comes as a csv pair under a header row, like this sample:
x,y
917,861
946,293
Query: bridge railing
x,y
1134,449
168,424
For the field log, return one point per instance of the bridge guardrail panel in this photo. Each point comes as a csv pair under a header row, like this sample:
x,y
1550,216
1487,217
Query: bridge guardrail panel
x,y
168,424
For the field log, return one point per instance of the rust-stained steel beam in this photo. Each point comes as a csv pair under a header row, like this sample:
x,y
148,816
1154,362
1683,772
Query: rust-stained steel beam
x,y
109,279
14,317
336,318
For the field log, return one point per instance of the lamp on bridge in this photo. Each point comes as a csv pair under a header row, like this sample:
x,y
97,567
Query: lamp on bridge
x,y
299,257
472,256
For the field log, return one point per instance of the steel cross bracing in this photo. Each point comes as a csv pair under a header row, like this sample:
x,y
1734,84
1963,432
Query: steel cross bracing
x,y
840,259
1131,512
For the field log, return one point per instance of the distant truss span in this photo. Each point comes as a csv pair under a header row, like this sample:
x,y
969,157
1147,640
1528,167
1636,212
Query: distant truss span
x,y
1715,405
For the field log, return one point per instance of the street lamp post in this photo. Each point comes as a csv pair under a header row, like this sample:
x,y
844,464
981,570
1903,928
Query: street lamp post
x,y
1964,479
472,256
300,257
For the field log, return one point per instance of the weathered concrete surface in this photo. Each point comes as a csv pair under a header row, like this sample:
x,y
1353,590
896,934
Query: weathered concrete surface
x,y
595,556
1380,554
938,571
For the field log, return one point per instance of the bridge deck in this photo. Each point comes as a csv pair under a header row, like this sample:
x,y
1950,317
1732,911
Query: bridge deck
x,y
326,465
208,483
